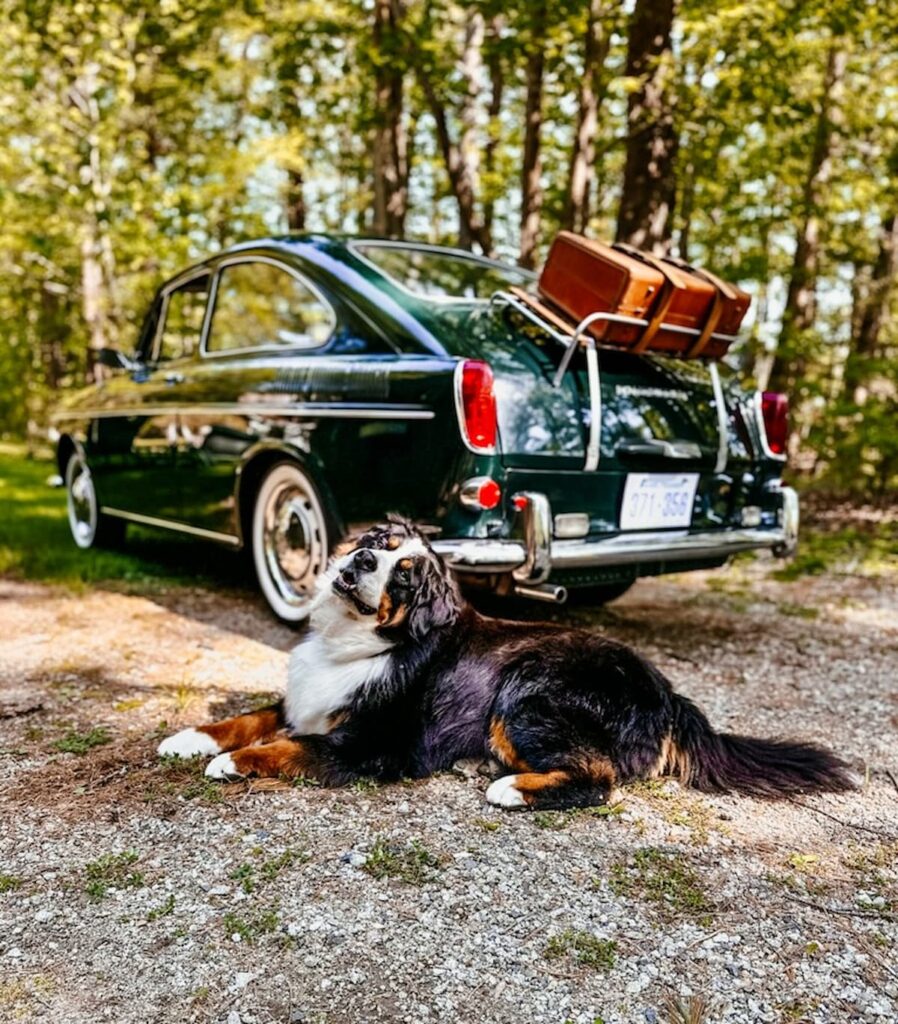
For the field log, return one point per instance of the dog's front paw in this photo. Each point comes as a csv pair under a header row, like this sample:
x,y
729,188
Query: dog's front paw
x,y
188,743
223,769
504,793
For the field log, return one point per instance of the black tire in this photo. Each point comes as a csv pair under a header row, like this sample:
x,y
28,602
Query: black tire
x,y
598,593
288,540
90,528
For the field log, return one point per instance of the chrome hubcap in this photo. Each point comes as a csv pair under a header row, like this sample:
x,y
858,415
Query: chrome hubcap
x,y
293,542
82,504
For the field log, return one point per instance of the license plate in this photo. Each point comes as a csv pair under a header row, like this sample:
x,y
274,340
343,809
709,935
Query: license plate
x,y
657,500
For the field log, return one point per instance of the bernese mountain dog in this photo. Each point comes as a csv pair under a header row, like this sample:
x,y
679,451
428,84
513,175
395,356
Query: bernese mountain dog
x,y
399,677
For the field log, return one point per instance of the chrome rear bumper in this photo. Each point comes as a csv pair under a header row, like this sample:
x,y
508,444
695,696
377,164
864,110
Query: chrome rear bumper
x,y
531,560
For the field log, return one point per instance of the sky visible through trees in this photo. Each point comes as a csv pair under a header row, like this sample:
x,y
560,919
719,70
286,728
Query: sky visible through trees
x,y
759,138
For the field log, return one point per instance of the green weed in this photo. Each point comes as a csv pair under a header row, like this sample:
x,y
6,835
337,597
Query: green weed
x,y
111,870
589,950
413,864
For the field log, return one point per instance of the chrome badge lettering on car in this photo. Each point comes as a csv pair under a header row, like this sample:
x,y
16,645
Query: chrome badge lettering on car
x,y
634,391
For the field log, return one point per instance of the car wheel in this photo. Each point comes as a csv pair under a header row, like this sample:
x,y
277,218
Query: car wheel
x,y
90,528
599,593
289,540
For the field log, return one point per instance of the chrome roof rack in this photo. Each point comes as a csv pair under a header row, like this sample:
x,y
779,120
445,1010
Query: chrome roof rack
x,y
575,336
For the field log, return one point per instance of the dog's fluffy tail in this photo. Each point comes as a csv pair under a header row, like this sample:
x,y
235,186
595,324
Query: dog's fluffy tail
x,y
721,762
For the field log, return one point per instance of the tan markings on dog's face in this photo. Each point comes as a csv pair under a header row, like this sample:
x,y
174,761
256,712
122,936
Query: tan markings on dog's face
x,y
393,543
503,749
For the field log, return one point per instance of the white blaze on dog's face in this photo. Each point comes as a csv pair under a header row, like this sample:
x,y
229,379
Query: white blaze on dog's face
x,y
368,579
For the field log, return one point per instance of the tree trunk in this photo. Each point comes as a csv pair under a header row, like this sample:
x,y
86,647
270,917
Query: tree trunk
x,y
295,201
470,226
390,153
531,186
649,189
497,88
468,147
873,303
801,299
575,216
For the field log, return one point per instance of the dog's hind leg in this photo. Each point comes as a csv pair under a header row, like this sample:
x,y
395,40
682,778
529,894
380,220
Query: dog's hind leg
x,y
554,769
231,734
557,789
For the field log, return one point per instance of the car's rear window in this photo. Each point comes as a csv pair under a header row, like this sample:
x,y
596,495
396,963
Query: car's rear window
x,y
432,273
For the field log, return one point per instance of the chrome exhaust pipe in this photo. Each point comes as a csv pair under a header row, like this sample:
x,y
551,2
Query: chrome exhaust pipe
x,y
543,592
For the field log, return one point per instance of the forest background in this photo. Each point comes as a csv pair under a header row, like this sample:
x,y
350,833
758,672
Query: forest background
x,y
756,137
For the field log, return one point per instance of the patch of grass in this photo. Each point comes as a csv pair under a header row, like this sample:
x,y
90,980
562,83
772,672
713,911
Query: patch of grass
x,y
81,742
35,542
275,865
128,705
10,883
163,910
552,821
599,954
413,864
848,551
365,785
487,825
251,928
245,875
204,790
111,870
798,611
662,878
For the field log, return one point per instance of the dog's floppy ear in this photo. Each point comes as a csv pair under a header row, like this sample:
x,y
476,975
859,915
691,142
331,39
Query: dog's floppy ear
x,y
435,600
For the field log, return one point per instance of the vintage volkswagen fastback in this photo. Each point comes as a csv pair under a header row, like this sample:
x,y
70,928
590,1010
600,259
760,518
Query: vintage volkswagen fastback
x,y
286,390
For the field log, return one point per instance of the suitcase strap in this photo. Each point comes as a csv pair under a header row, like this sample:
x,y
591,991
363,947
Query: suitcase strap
x,y
673,281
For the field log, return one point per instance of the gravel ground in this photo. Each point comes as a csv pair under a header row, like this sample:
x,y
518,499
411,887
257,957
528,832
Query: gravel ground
x,y
132,890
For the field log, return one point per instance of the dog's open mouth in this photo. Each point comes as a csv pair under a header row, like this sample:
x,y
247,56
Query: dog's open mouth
x,y
348,593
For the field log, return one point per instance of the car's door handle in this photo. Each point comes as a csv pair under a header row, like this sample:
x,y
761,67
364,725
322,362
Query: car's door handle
x,y
174,378
658,448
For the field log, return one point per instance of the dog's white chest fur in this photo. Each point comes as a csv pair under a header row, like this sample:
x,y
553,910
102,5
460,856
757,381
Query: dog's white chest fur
x,y
327,670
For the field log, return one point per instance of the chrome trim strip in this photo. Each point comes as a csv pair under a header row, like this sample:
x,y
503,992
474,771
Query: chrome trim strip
x,y
762,430
237,408
723,442
593,444
486,556
168,524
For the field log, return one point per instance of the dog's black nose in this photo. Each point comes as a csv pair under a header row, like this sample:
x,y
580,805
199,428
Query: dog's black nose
x,y
365,561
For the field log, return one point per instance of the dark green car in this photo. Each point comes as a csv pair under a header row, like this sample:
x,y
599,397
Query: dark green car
x,y
289,389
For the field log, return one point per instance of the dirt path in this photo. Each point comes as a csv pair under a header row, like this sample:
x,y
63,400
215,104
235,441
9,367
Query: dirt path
x,y
134,891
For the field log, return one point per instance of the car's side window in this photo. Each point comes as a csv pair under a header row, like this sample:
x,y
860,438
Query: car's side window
x,y
262,305
184,312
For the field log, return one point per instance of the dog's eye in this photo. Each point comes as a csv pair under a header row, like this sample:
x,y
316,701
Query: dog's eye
x,y
403,576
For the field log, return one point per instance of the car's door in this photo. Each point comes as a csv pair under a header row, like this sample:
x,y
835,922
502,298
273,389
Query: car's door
x,y
141,440
285,362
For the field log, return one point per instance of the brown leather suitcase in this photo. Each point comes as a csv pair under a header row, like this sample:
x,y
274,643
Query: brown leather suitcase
x,y
582,276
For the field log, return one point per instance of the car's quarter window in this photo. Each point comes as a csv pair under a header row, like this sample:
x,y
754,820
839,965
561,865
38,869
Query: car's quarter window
x,y
185,308
439,274
264,305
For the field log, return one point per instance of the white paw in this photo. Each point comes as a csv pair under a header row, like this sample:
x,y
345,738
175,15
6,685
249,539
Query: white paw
x,y
188,743
504,793
222,767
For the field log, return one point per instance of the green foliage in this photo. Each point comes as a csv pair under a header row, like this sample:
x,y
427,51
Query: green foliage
x,y
413,864
589,950
10,883
134,139
253,926
81,742
665,879
111,870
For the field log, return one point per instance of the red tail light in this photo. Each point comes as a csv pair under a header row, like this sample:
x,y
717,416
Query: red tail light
x,y
775,410
476,405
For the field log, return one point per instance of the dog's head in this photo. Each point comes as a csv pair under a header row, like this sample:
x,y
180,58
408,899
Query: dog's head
x,y
391,576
